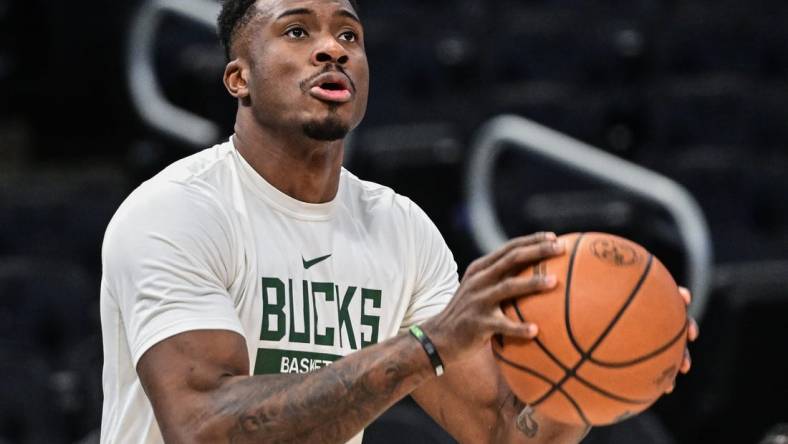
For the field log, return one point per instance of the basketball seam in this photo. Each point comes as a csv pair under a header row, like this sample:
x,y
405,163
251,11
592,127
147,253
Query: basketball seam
x,y
584,355
539,343
570,269
582,380
611,395
587,383
553,388
623,309
645,357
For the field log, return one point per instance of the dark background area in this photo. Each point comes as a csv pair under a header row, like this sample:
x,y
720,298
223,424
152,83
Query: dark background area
x,y
696,90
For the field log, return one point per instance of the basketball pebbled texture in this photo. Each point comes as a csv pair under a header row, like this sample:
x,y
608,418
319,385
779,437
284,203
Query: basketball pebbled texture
x,y
611,336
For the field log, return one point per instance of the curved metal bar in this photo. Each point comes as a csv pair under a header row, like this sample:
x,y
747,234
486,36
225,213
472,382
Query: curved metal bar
x,y
534,138
146,94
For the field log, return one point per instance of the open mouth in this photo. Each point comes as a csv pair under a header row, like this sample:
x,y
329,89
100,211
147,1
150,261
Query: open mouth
x,y
331,92
332,87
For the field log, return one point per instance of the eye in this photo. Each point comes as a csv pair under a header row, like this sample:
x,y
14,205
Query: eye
x,y
296,32
348,36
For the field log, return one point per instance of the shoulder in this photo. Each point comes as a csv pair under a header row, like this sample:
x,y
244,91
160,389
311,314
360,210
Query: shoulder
x,y
185,197
188,183
379,200
208,165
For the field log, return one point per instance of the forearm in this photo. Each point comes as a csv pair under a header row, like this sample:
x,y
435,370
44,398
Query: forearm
x,y
475,405
203,397
328,406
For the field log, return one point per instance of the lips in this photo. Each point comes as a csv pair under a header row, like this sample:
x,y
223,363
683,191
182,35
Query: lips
x,y
331,87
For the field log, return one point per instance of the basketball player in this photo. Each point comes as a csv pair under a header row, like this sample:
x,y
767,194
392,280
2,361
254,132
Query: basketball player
x,y
236,279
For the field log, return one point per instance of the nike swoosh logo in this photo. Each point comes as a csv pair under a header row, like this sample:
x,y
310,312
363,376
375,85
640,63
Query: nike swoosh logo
x,y
313,262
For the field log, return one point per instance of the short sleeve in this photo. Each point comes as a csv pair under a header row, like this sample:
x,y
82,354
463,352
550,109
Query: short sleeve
x,y
436,279
167,261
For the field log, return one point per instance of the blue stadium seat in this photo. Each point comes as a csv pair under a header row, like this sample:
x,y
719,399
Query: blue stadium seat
x,y
708,37
700,110
767,115
553,104
774,34
46,305
742,196
614,119
28,414
59,214
78,389
545,53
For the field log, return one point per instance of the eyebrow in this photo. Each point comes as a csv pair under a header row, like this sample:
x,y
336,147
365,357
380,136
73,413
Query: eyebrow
x,y
347,14
306,11
296,11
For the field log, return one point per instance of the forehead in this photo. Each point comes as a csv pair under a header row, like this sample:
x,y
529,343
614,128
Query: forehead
x,y
270,9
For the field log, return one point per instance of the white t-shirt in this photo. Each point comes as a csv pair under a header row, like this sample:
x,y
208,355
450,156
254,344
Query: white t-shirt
x,y
209,244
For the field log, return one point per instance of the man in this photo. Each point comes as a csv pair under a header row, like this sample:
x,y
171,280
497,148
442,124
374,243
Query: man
x,y
237,275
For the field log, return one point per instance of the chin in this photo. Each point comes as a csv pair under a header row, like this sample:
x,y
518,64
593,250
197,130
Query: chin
x,y
329,129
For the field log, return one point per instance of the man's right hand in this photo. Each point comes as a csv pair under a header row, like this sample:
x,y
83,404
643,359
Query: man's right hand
x,y
475,315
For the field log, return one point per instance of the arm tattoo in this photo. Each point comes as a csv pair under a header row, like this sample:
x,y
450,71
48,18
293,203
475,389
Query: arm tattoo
x,y
328,406
526,422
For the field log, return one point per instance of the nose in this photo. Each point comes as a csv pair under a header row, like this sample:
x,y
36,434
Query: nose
x,y
329,51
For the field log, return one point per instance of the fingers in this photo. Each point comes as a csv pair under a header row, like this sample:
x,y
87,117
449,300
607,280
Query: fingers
x,y
485,261
508,327
515,260
686,295
686,364
524,330
693,331
692,334
517,286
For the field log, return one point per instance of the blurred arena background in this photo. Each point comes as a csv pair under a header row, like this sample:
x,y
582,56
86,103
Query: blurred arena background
x,y
696,91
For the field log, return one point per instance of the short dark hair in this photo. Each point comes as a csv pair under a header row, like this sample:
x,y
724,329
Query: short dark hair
x,y
234,15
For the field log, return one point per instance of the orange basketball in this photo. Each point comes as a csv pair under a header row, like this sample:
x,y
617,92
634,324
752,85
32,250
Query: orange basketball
x,y
611,334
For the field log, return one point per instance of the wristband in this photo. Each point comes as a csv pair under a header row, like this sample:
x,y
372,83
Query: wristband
x,y
429,347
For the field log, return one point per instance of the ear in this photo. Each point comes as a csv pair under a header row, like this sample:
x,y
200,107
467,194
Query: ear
x,y
236,79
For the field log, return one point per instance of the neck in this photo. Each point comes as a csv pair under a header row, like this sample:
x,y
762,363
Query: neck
x,y
305,169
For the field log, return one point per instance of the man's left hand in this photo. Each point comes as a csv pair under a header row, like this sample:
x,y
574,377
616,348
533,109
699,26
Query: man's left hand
x,y
692,334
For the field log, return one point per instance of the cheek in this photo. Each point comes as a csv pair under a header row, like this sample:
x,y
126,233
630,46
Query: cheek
x,y
274,79
360,74
363,89
363,98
